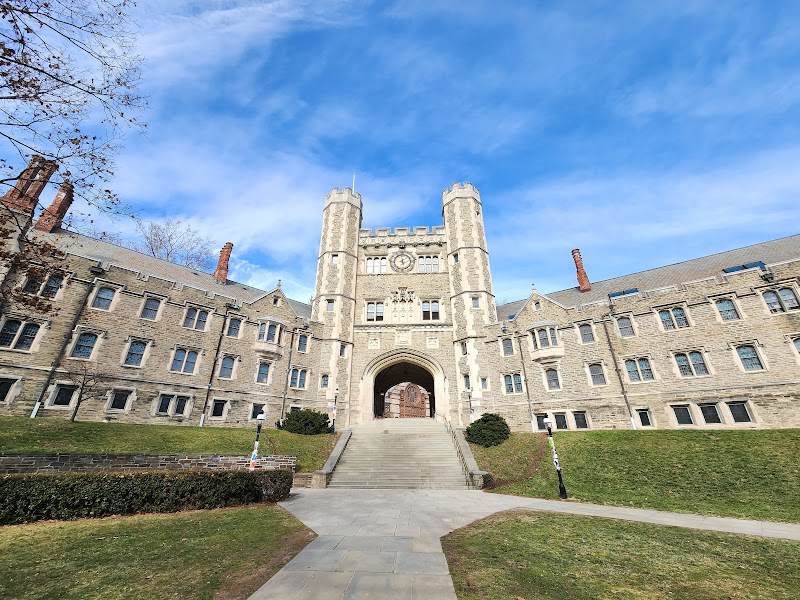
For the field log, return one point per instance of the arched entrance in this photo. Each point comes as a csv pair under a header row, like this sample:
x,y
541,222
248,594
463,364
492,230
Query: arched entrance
x,y
398,366
404,372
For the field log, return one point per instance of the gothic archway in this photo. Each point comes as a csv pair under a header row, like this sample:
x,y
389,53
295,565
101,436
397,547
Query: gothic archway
x,y
410,373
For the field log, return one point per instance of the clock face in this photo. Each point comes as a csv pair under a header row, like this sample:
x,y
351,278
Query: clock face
x,y
402,261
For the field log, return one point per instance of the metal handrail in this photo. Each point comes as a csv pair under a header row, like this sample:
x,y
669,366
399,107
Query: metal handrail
x,y
461,458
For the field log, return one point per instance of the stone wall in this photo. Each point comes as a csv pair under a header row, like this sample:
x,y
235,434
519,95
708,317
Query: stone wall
x,y
138,462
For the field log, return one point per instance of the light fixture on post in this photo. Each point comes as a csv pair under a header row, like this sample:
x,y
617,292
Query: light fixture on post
x,y
254,457
562,491
335,402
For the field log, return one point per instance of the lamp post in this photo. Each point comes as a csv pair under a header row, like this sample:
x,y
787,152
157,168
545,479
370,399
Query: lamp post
x,y
254,456
562,491
471,412
335,401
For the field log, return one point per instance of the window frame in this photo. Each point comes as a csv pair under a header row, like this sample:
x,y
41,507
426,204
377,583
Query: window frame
x,y
632,322
187,350
647,411
586,421
747,407
54,392
676,419
691,364
298,378
111,302
225,407
674,320
241,322
602,373
721,313
305,338
504,347
514,380
636,360
253,416
547,381
268,378
759,356
234,360
127,350
430,311
781,302
715,405
16,337
159,309
14,389
377,313
128,400
581,329
196,319
77,336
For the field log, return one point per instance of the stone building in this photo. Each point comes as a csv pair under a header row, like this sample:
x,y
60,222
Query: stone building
x,y
709,343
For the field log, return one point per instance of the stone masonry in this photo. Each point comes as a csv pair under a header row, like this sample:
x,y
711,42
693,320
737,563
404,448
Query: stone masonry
x,y
709,343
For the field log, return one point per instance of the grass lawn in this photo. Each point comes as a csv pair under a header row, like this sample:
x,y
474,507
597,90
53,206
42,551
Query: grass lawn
x,y
527,555
21,435
744,474
223,554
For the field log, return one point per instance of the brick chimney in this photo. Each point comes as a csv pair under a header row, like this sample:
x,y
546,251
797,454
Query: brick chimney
x,y
28,187
53,215
583,278
221,273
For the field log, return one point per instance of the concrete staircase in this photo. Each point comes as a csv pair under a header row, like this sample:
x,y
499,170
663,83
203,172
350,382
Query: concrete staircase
x,y
400,454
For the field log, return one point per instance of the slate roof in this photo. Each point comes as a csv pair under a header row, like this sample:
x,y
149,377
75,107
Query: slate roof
x,y
505,311
771,252
105,252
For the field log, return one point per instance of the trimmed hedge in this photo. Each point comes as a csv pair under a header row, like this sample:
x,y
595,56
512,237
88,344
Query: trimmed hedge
x,y
33,497
490,430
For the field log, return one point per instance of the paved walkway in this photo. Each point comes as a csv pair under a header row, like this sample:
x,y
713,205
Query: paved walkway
x,y
384,544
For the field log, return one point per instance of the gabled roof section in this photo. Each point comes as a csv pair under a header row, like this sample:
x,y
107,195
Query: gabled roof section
x,y
510,309
771,252
105,252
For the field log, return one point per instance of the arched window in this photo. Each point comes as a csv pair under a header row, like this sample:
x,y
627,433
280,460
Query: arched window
x,y
639,369
135,353
587,335
272,332
9,332
226,368
749,357
508,347
598,376
323,381
727,310
84,346
625,326
234,325
103,298
544,341
784,300
302,343
383,265
553,382
184,361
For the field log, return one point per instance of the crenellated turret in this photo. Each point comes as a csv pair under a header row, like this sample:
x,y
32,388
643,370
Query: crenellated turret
x,y
334,301
471,298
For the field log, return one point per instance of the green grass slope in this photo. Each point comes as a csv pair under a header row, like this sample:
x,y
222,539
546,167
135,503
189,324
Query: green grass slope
x,y
21,435
751,474
527,555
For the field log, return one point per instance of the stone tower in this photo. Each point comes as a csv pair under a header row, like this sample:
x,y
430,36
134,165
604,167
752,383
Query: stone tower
x,y
334,303
471,299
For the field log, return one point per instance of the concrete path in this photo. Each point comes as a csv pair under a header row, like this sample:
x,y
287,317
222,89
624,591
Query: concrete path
x,y
384,544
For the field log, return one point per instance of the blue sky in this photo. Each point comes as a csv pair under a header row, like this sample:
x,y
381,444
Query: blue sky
x,y
644,133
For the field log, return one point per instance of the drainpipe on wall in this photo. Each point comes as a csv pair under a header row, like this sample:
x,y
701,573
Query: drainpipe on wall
x,y
525,375
214,365
616,362
95,270
288,375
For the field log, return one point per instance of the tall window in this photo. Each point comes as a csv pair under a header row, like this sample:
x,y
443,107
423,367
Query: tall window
x,y
553,383
639,369
597,374
18,336
302,343
428,264
466,382
150,309
782,301
334,259
674,318
625,325
51,286
298,379
103,298
749,357
270,333
430,310
508,347
513,383
135,353
727,309
234,326
374,311
376,265
196,319
84,346
691,364
226,367
544,337
262,375
323,381
218,409
644,417
476,302
587,335
329,305
184,361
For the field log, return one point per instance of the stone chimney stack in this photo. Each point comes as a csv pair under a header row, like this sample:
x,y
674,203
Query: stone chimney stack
x,y
221,273
583,278
53,215
28,187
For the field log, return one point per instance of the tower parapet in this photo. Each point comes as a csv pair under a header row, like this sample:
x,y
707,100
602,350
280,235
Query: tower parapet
x,y
460,190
